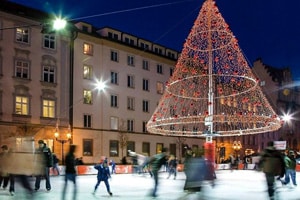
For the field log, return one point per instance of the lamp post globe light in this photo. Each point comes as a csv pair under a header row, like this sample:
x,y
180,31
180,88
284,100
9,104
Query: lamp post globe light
x,y
236,147
62,140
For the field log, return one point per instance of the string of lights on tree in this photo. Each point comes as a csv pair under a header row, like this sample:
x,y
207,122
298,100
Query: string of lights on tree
x,y
212,90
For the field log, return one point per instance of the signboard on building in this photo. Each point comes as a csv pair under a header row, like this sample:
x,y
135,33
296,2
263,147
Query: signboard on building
x,y
280,145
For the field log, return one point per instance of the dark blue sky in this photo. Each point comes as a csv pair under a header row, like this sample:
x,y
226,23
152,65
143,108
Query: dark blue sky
x,y
268,29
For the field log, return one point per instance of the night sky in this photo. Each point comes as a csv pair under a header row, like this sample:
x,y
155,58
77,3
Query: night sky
x,y
267,29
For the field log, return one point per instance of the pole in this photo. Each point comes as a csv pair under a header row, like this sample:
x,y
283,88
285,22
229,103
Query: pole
x,y
62,153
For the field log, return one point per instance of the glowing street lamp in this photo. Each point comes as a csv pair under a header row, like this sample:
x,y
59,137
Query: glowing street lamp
x,y
62,140
59,24
236,147
286,117
100,85
56,25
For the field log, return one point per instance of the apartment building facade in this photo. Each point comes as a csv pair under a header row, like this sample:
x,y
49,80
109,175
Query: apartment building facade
x,y
50,84
34,76
134,72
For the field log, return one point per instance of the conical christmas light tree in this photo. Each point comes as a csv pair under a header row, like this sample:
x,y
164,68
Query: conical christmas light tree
x,y
213,90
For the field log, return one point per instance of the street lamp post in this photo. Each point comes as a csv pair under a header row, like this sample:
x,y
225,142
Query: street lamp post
x,y
62,141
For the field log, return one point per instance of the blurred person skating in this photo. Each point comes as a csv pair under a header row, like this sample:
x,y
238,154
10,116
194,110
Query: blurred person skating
x,y
4,176
290,169
70,172
47,163
55,164
79,161
232,162
113,166
146,166
209,171
11,177
102,175
156,162
24,180
172,166
246,162
272,164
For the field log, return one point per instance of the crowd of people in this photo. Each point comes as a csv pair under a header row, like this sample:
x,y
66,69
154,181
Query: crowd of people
x,y
276,165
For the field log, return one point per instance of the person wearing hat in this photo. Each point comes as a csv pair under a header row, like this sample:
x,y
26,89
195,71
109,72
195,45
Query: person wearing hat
x,y
290,171
47,163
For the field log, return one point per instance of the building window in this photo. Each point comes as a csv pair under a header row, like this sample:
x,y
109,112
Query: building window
x,y
144,126
87,121
145,84
172,149
113,36
130,146
144,46
87,97
129,41
22,35
22,69
87,147
159,69
87,72
158,50
88,49
21,105
130,60
145,106
49,74
114,56
171,71
48,108
113,148
114,101
114,77
159,88
130,125
85,28
146,148
171,55
159,147
146,65
49,41
114,123
130,103
130,81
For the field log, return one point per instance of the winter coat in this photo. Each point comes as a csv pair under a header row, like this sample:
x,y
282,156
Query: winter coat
x,y
70,163
290,162
157,161
103,171
272,162
48,158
